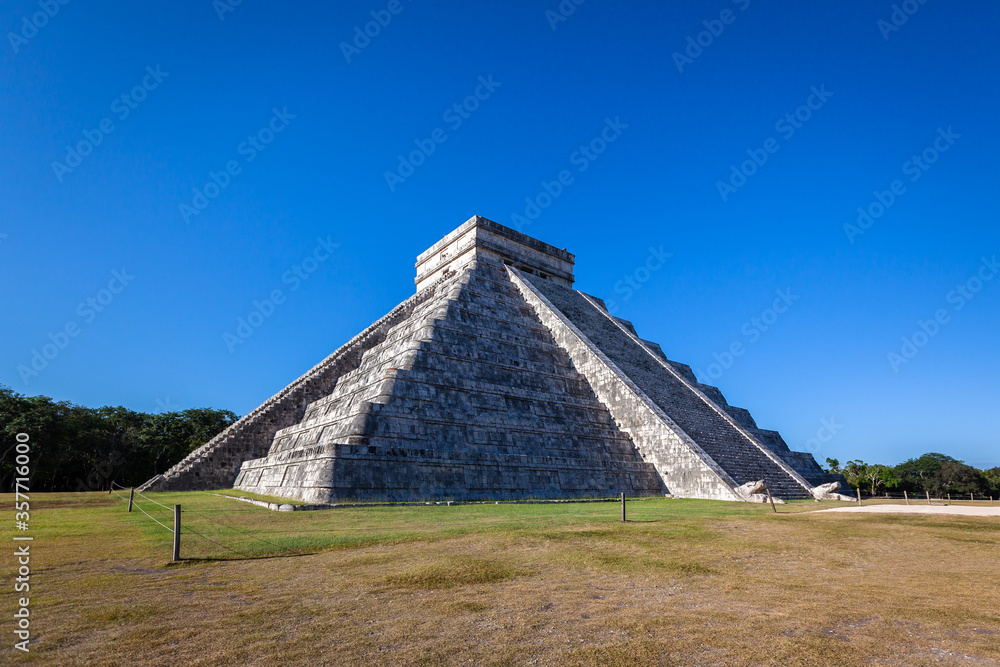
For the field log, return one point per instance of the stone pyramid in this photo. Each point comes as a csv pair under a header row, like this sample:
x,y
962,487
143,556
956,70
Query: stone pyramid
x,y
496,380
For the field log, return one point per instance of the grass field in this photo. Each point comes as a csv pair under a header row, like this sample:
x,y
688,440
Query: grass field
x,y
684,582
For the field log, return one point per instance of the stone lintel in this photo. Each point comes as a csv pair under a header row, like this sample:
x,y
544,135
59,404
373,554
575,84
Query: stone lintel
x,y
480,238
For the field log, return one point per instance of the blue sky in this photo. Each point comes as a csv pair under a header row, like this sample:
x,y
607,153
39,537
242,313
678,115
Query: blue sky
x,y
249,147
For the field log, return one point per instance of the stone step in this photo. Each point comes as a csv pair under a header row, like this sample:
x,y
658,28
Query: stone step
x,y
741,459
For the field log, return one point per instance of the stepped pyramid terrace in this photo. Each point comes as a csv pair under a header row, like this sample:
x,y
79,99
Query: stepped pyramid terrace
x,y
497,380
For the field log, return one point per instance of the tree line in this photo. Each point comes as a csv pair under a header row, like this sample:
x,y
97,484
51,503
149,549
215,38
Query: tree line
x,y
74,448
932,473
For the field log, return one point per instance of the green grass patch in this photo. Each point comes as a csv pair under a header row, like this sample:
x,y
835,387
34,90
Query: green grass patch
x,y
260,496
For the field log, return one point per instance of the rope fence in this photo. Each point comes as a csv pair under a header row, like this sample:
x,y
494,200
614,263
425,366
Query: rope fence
x,y
133,498
176,530
211,534
208,531
926,498
141,495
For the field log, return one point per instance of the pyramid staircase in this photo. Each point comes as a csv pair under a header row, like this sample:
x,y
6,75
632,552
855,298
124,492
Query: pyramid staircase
x,y
468,398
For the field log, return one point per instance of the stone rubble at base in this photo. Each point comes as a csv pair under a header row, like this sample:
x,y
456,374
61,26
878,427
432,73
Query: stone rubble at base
x,y
497,380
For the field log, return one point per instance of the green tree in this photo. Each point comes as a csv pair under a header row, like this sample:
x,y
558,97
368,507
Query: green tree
x,y
992,479
75,448
872,476
878,476
916,474
957,478
853,472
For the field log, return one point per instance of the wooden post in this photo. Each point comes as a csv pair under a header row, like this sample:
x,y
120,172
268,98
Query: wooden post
x,y
131,493
859,497
623,506
772,501
972,497
928,496
906,497
177,533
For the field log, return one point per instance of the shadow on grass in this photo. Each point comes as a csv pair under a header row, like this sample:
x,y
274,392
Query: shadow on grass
x,y
222,559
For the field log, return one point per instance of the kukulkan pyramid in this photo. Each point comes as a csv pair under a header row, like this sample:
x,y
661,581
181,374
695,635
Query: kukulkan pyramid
x,y
497,380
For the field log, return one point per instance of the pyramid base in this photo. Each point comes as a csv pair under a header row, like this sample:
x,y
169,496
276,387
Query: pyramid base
x,y
342,472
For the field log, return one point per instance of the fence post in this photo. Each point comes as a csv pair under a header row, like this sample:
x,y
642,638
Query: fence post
x,y
972,497
177,533
131,494
928,496
949,498
772,501
623,506
859,497
906,496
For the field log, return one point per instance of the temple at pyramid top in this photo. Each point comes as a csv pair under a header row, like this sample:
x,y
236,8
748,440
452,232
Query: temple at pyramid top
x,y
479,237
497,380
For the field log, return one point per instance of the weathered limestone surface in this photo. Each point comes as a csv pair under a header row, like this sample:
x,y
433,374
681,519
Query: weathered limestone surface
x,y
468,398
685,468
479,237
829,492
496,381
706,429
215,464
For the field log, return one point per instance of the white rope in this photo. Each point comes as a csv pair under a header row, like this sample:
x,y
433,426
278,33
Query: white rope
x,y
207,539
169,509
136,505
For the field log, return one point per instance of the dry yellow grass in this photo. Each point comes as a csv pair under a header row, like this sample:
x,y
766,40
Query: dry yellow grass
x,y
683,583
